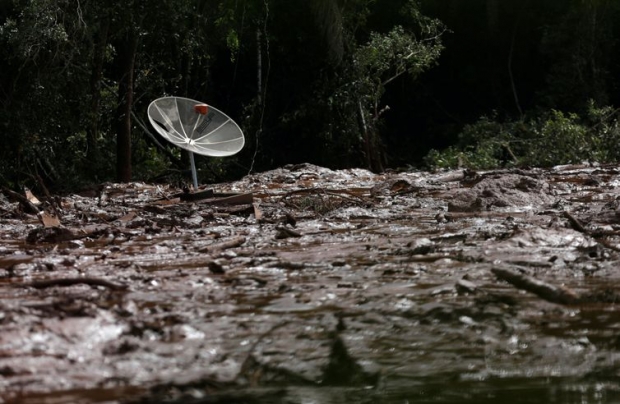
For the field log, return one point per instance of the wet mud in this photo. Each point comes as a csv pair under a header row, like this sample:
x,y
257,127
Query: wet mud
x,y
307,285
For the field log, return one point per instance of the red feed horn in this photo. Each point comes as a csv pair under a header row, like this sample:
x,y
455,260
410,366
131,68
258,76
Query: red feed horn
x,y
201,108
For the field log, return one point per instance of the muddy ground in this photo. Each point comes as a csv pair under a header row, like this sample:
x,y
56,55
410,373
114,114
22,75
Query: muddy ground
x,y
307,285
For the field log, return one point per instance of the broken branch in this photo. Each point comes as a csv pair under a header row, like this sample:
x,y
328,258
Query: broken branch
x,y
232,243
548,292
48,283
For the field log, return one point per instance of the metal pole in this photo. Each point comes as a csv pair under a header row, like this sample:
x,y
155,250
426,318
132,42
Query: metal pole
x,y
194,174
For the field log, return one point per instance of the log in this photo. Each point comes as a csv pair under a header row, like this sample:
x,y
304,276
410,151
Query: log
x,y
546,291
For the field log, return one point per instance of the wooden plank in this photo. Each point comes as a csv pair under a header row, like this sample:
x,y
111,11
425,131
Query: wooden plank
x,y
233,199
196,196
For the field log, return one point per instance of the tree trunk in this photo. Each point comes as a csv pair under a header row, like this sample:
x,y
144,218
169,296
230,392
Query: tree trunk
x,y
259,68
371,144
127,55
101,41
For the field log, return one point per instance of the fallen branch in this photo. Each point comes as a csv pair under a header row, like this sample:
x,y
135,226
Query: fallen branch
x,y
21,199
232,243
575,223
49,197
548,292
48,283
333,192
223,199
285,232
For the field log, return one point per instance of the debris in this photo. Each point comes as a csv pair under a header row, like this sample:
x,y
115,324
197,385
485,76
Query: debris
x,y
463,286
258,214
55,234
48,220
290,219
575,223
546,291
229,199
216,268
31,198
128,217
48,283
24,201
234,242
285,232
196,196
216,307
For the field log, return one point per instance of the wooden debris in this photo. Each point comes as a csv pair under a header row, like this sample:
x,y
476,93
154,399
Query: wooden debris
x,y
25,202
258,214
128,217
48,283
213,198
7,261
285,232
290,219
232,243
51,235
546,291
155,205
575,223
230,199
465,287
30,196
234,209
48,219
216,268
54,203
196,196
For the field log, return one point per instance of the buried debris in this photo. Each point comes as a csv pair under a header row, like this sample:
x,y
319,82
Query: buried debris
x,y
223,245
552,293
49,283
316,285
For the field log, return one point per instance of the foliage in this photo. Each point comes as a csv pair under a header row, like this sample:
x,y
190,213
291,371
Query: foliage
x,y
578,47
332,82
52,48
346,100
41,104
550,139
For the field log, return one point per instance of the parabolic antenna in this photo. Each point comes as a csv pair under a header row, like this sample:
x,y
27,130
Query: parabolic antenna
x,y
196,127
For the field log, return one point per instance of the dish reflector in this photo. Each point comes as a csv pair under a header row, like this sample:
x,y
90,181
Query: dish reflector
x,y
196,126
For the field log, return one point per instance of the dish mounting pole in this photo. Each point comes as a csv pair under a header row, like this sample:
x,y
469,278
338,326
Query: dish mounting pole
x,y
194,174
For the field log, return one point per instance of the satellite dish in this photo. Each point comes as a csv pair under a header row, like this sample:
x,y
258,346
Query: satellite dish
x,y
196,127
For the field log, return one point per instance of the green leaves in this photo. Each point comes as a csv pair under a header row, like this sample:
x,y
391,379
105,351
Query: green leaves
x,y
550,139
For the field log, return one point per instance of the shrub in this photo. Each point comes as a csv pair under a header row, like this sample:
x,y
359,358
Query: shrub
x,y
552,138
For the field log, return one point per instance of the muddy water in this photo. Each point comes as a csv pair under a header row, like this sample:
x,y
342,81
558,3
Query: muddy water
x,y
333,287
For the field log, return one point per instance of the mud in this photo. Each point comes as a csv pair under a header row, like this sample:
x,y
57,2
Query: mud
x,y
323,287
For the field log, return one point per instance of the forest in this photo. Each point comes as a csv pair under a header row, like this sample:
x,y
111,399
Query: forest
x,y
376,84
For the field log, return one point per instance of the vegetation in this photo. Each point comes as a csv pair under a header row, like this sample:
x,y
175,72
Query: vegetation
x,y
337,83
540,90
549,139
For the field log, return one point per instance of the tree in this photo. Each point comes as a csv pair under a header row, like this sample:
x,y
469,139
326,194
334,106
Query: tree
x,y
579,47
41,87
372,63
326,104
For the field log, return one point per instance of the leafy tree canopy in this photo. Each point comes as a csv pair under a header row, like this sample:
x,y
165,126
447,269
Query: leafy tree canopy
x,y
334,82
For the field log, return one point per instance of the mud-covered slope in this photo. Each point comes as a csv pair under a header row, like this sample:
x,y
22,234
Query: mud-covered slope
x,y
305,284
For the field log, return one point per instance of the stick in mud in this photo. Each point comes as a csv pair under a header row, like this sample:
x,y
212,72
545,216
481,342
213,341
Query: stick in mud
x,y
48,283
548,292
232,243
575,223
